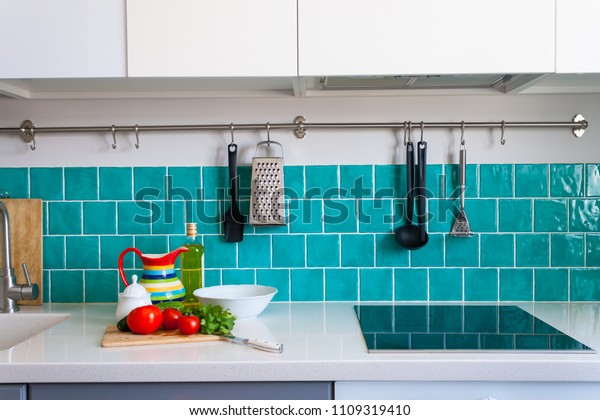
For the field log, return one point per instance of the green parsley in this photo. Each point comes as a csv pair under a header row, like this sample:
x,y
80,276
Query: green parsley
x,y
214,319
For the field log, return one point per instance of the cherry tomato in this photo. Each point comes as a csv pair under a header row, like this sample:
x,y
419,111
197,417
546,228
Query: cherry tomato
x,y
170,318
188,324
145,319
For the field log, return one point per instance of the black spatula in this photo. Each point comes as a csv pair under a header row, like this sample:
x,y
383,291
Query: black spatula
x,y
234,220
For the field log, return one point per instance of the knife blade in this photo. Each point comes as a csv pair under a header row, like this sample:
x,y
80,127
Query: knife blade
x,y
257,344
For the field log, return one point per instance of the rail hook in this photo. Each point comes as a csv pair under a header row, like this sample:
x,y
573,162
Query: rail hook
x,y
502,139
462,134
113,129
232,144
268,135
32,131
422,126
405,130
136,129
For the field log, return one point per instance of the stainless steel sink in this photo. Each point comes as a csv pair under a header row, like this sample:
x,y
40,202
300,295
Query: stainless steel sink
x,y
20,326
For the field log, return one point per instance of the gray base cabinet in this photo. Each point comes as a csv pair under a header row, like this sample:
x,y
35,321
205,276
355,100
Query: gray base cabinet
x,y
13,392
183,391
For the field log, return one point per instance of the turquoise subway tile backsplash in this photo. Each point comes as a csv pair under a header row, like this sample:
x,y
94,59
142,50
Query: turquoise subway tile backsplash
x,y
536,231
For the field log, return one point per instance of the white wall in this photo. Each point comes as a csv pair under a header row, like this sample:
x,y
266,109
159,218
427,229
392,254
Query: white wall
x,y
331,146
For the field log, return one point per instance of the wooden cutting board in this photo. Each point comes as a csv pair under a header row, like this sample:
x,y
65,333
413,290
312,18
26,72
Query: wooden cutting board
x,y
115,338
26,241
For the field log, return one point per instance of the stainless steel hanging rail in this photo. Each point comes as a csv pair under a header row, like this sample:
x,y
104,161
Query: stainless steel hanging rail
x,y
28,131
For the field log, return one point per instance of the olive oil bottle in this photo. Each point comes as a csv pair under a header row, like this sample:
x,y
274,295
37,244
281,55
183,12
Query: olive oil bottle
x,y
192,264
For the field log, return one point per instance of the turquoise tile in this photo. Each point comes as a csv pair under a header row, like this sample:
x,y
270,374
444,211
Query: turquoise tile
x,y
101,286
566,180
212,278
110,249
255,251
496,180
149,183
322,181
66,286
516,284
115,183
481,284
244,173
236,276
375,216
322,250
341,284
584,216
551,285
134,217
567,250
46,183
431,255
531,180
533,250
81,183
279,279
307,285
288,251
498,250
293,181
399,217
339,215
435,181
585,285
83,252
358,250
453,181
306,216
443,213
462,252
53,252
592,250
207,215
215,181
168,217
376,284
183,183
592,184
482,215
175,241
218,253
389,253
390,181
550,216
99,217
356,181
46,286
411,284
15,182
515,216
64,218
445,284
151,244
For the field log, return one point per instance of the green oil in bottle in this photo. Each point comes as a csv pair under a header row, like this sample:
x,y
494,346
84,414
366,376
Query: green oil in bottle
x,y
192,264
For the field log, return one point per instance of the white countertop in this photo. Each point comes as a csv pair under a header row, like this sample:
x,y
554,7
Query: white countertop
x,y
322,342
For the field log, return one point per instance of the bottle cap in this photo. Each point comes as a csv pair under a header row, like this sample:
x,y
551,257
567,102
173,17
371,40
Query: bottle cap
x,y
191,229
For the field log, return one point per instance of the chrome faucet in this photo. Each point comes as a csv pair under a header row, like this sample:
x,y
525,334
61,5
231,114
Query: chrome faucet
x,y
10,291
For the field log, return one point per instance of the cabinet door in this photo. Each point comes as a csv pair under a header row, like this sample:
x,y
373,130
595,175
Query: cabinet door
x,y
391,37
577,34
13,392
62,39
205,38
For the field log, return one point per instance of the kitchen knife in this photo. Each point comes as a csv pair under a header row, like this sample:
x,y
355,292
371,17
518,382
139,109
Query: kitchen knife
x,y
257,344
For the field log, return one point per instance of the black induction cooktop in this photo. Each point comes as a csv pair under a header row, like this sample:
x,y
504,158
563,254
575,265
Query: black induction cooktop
x,y
470,328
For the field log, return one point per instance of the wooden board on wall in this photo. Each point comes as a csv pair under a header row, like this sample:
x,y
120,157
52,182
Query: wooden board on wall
x,y
26,241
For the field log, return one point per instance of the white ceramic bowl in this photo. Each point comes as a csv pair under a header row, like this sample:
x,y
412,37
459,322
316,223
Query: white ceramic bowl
x,y
243,300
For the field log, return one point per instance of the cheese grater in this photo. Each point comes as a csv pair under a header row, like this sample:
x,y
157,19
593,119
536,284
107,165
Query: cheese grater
x,y
266,189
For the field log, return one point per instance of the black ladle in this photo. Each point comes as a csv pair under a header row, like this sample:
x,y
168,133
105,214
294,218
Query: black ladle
x,y
409,235
422,194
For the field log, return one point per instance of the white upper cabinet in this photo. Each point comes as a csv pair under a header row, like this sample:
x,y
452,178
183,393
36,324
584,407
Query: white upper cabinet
x,y
577,35
62,39
389,37
207,38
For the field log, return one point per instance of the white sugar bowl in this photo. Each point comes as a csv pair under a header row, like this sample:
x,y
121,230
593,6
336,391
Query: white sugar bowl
x,y
134,296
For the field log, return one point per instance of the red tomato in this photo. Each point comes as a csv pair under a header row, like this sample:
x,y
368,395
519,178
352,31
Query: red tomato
x,y
188,324
170,318
145,319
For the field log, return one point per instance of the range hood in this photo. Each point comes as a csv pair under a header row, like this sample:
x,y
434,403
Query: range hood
x,y
502,83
